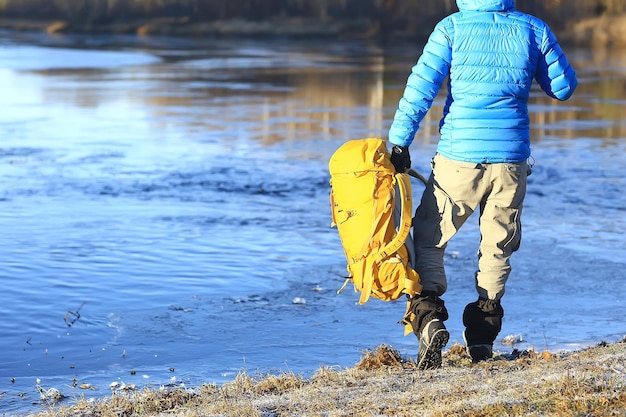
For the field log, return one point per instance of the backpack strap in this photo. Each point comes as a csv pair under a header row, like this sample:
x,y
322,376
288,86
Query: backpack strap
x,y
396,243
403,182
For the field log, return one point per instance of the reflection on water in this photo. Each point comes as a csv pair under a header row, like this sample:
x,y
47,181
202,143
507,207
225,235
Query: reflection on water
x,y
300,94
175,193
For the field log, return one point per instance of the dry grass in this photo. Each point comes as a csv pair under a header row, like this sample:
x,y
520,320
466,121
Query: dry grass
x,y
591,382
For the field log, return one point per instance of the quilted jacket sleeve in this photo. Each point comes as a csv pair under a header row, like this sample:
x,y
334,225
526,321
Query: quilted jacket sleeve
x,y
554,74
422,86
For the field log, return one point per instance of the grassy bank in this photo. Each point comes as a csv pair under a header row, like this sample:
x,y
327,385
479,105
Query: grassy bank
x,y
591,382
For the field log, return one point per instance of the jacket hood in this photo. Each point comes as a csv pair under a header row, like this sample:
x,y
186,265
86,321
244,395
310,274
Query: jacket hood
x,y
486,5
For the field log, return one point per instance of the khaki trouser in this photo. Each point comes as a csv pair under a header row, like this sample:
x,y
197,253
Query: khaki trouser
x,y
454,190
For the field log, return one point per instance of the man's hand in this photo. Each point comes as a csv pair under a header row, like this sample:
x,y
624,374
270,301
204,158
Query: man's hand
x,y
400,158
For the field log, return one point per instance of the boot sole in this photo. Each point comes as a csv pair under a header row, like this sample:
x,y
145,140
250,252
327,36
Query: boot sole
x,y
429,356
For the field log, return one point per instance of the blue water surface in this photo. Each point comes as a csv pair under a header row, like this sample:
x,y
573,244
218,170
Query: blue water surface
x,y
164,213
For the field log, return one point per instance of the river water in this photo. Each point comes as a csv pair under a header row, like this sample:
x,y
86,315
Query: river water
x,y
164,214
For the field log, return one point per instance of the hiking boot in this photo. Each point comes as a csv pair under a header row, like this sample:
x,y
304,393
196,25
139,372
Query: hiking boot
x,y
422,309
478,353
433,339
483,322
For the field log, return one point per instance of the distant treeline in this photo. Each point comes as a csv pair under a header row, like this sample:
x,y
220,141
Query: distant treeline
x,y
390,17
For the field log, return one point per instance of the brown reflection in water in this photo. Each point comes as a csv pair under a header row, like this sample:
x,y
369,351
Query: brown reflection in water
x,y
349,100
597,107
74,87
273,105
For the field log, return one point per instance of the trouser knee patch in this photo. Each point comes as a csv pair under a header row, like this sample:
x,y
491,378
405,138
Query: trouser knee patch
x,y
483,321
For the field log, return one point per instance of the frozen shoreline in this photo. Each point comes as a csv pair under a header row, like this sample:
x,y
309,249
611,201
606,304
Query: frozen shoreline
x,y
590,381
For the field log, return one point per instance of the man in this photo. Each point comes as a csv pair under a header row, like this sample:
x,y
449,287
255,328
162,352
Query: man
x,y
490,53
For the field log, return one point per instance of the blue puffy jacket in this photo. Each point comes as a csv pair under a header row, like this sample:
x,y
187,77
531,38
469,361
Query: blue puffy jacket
x,y
491,53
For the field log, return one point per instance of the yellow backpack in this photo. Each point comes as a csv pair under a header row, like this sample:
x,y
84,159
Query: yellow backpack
x,y
372,210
